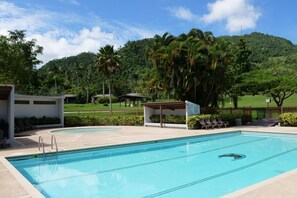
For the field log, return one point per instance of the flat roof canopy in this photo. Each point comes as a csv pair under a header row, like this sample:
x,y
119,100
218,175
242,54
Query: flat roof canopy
x,y
5,91
166,105
132,96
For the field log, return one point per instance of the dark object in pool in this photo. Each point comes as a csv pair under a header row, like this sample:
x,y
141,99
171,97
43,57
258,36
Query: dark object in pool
x,y
234,155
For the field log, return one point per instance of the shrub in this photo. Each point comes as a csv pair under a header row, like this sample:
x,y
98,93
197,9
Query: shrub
x,y
103,121
105,100
288,119
193,121
4,126
38,121
174,119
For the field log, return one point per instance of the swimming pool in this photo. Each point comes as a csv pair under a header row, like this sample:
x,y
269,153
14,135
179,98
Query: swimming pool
x,y
205,166
85,130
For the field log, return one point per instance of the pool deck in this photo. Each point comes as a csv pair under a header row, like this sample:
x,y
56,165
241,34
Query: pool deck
x,y
13,185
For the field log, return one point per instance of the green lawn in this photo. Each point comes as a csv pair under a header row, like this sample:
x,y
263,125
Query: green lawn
x,y
259,101
101,110
119,109
99,107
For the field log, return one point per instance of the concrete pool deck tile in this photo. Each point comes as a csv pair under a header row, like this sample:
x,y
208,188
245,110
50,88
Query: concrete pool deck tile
x,y
280,186
9,188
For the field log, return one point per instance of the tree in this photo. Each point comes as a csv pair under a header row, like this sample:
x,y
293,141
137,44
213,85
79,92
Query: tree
x,y
240,65
18,60
277,82
191,66
135,67
108,61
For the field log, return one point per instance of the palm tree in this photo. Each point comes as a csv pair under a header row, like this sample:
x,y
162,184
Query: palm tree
x,y
108,61
55,71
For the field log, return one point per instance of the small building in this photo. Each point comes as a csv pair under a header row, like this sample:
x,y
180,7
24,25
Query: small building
x,y
69,99
169,108
101,95
133,99
19,106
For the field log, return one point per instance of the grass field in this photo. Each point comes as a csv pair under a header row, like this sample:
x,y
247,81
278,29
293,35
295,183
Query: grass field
x,y
101,110
259,101
99,107
120,109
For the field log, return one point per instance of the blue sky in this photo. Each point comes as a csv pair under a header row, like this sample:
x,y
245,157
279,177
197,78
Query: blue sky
x,y
68,27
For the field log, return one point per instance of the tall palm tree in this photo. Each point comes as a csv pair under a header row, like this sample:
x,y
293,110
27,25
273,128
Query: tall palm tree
x,y
108,61
55,71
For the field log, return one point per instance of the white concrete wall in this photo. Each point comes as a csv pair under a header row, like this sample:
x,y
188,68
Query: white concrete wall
x,y
37,110
40,110
148,112
60,103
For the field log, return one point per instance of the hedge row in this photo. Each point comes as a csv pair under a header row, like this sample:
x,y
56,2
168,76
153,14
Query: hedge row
x,y
193,121
174,119
103,121
288,119
105,100
38,121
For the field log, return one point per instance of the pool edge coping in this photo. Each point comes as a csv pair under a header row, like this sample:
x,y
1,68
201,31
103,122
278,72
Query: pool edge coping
x,y
256,186
28,187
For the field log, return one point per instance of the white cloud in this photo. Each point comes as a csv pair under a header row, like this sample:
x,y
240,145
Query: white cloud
x,y
58,44
52,31
182,13
238,14
9,9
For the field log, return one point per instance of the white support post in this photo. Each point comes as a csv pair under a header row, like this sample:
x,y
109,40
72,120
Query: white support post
x,y
62,111
10,116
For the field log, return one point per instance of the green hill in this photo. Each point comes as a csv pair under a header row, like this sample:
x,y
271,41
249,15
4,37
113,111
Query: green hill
x,y
264,46
77,74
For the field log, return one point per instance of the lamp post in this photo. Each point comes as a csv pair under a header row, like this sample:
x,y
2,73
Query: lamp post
x,y
268,100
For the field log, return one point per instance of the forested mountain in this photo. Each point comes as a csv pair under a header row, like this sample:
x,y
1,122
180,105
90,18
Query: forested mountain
x,y
264,46
77,74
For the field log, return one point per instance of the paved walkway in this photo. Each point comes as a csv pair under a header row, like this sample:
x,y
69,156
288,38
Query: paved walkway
x,y
13,185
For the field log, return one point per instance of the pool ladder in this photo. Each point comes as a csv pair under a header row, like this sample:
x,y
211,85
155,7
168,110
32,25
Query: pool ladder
x,y
54,140
41,144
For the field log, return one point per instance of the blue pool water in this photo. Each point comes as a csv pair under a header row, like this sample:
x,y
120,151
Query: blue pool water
x,y
85,130
188,167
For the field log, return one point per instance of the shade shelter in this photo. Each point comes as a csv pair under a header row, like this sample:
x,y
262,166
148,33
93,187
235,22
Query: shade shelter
x,y
69,98
24,106
169,108
133,98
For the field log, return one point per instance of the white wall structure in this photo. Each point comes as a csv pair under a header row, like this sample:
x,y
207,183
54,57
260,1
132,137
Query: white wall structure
x,y
7,109
40,106
19,106
169,108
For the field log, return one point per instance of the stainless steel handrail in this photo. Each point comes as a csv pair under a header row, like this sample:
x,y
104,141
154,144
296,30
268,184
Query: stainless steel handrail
x,y
40,143
54,140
